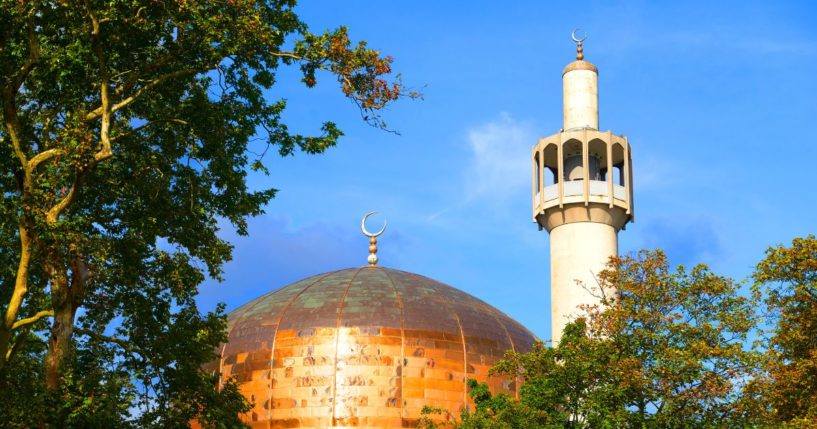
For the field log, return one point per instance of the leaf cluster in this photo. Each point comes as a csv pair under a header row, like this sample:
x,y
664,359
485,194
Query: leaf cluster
x,y
664,349
128,130
786,280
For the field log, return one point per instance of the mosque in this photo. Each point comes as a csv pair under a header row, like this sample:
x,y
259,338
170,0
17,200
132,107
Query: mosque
x,y
370,346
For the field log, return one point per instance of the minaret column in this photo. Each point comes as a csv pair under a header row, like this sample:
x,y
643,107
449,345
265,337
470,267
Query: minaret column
x,y
578,252
588,199
580,95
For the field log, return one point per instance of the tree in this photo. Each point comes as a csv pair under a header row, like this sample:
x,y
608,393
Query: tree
x,y
126,137
677,342
667,351
490,411
559,383
787,279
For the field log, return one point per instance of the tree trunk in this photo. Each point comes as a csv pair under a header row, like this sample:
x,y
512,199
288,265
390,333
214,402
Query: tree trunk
x,y
5,339
16,301
62,329
59,345
66,297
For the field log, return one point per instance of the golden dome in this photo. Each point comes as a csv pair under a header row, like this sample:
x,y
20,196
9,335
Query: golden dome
x,y
364,347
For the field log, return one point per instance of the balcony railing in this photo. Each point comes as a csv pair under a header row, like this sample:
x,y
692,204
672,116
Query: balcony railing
x,y
574,192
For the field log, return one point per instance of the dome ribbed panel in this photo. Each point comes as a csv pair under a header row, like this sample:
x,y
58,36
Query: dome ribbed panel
x,y
398,396
434,366
364,347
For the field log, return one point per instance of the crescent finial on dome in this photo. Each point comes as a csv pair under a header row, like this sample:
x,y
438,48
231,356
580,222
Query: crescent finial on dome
x,y
372,259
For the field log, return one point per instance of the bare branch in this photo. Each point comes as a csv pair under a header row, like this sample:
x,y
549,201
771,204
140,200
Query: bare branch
x,y
33,319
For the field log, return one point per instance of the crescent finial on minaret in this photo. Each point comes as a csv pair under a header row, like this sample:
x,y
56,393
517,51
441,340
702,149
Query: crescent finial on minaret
x,y
578,41
372,259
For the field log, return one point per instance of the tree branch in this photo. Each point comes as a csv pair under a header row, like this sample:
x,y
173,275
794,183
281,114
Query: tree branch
x,y
810,293
147,124
33,319
289,55
32,59
21,281
54,212
96,113
10,92
13,124
146,70
79,278
122,342
104,99
18,343
42,157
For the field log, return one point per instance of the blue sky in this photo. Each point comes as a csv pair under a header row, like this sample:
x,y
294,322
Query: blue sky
x,y
718,99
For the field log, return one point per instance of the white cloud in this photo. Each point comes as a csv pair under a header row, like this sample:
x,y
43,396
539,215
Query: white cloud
x,y
500,165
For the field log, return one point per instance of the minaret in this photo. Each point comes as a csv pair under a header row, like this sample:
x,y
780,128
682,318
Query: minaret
x,y
582,194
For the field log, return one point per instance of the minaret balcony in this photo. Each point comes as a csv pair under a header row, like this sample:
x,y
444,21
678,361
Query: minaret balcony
x,y
582,167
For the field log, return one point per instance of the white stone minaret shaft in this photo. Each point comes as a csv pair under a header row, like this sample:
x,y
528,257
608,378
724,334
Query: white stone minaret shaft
x,y
582,195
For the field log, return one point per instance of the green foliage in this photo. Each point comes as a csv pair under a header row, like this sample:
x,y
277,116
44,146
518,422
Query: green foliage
x,y
665,351
787,281
128,129
490,411
677,342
